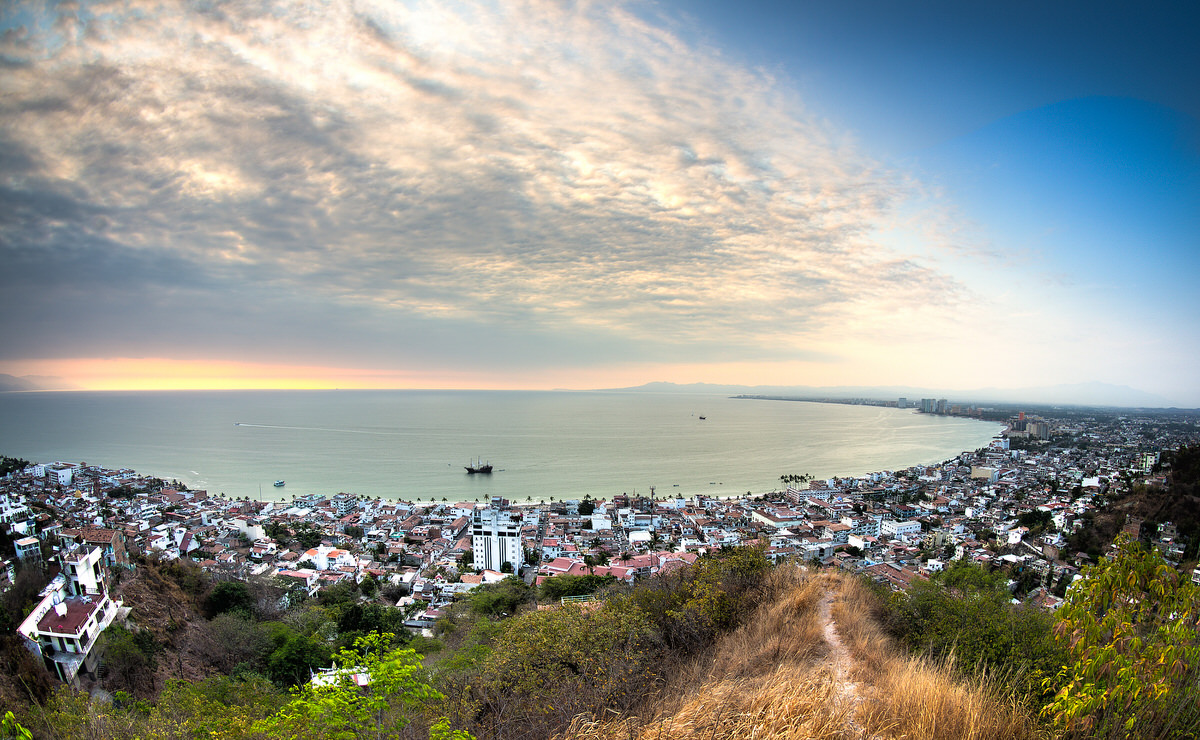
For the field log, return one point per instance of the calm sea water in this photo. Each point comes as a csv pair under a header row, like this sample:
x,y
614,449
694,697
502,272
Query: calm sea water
x,y
414,444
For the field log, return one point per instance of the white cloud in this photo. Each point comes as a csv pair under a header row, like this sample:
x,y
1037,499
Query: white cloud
x,y
556,169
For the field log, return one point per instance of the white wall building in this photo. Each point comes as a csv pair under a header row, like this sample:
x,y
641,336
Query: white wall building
x,y
75,608
495,539
61,473
900,529
324,557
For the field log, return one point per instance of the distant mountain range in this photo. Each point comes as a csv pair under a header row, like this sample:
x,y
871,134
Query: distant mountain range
x,y
9,383
1073,394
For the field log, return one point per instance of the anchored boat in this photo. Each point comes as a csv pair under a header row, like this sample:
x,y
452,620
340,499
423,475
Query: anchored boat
x,y
479,467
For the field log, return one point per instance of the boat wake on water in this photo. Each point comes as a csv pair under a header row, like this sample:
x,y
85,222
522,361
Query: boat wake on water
x,y
326,429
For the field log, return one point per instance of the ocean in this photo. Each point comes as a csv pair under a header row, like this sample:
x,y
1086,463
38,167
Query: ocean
x,y
415,444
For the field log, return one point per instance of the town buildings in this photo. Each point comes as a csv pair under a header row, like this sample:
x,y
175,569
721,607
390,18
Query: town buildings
x,y
1012,505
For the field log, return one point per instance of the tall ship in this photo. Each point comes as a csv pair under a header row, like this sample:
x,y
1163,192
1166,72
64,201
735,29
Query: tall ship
x,y
479,467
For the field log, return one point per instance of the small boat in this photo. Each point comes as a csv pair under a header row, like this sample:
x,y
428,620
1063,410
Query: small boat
x,y
702,418
479,467
279,484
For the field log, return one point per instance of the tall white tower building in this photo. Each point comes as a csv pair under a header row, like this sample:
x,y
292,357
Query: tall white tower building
x,y
496,539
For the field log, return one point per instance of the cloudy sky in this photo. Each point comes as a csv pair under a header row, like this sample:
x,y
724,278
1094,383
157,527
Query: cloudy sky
x,y
539,194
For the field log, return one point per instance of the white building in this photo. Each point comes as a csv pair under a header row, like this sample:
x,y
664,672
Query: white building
x,y
324,557
61,474
29,549
344,503
900,529
12,510
495,539
75,608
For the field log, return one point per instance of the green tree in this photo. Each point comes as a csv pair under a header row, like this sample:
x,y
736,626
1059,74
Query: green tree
x,y
128,659
1133,627
357,619
294,656
229,596
369,587
555,588
217,707
231,640
494,599
965,613
12,464
344,708
307,536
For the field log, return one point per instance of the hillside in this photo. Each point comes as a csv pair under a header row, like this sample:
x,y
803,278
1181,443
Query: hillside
x,y
815,663
727,648
1175,500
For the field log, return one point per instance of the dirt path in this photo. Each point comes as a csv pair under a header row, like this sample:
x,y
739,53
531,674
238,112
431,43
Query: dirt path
x,y
848,691
839,656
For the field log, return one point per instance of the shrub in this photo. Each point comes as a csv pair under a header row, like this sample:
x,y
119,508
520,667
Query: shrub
x,y
1132,627
964,616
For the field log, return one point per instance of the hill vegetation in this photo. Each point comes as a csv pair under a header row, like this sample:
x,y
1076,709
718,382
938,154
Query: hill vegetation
x,y
729,648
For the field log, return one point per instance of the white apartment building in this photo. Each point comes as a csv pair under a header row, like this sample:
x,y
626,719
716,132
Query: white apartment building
x,y
495,539
12,510
75,608
61,473
900,529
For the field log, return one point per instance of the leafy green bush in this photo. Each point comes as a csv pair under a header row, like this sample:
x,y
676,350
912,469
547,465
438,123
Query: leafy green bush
x,y
690,606
542,668
532,673
1133,627
495,599
553,589
395,690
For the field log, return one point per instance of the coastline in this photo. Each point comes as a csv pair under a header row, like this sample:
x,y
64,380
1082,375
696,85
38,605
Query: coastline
x,y
410,446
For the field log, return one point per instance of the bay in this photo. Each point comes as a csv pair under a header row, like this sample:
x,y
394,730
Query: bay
x,y
415,444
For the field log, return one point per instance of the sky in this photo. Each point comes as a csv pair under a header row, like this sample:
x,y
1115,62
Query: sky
x,y
538,194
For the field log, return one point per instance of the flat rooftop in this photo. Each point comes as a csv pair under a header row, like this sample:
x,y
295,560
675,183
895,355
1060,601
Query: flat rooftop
x,y
79,609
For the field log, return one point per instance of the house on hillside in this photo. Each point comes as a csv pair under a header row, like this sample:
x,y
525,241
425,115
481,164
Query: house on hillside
x,y
75,609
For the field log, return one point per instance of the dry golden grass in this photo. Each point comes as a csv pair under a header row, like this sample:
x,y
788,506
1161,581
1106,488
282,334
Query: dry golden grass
x,y
778,677
784,633
915,698
786,705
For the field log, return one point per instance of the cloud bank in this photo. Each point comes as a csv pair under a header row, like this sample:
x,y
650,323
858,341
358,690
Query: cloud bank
x,y
425,184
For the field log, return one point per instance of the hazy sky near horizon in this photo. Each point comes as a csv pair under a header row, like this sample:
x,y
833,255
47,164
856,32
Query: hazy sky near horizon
x,y
557,194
